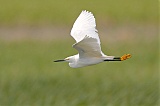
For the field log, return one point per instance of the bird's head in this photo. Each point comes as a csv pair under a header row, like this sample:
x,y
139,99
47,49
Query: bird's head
x,y
69,59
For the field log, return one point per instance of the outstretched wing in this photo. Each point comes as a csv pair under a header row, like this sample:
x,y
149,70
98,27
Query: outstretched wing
x,y
85,25
88,47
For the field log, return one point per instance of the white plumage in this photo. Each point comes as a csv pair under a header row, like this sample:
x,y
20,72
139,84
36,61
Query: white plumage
x,y
88,43
85,25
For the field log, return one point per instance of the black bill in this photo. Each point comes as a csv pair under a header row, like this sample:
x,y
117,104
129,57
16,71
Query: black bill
x,y
58,60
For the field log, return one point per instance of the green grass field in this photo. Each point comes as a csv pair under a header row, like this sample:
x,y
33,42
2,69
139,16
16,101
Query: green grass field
x,y
29,77
55,12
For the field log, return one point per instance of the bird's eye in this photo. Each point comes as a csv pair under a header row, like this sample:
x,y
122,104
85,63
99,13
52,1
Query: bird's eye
x,y
66,58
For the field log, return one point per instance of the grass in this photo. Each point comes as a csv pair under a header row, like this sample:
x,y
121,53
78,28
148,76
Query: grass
x,y
64,12
29,77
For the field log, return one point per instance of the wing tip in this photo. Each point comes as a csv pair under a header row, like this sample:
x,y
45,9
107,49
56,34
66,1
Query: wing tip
x,y
86,11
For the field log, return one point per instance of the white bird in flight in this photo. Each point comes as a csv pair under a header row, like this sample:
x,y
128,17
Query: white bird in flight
x,y
88,43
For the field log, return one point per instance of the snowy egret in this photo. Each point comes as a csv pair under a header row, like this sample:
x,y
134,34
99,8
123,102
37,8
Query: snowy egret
x,y
88,43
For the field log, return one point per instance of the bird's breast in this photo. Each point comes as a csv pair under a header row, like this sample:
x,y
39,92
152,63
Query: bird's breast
x,y
85,62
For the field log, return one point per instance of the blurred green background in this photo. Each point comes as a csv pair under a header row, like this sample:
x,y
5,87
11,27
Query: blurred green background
x,y
33,33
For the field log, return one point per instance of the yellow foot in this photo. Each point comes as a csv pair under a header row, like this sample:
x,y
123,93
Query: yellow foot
x,y
125,56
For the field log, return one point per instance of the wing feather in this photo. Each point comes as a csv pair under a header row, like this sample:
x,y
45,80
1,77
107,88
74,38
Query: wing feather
x,y
88,47
85,25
